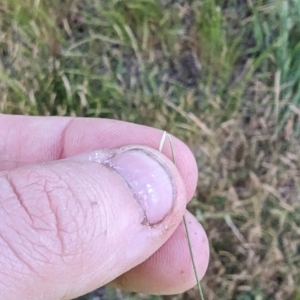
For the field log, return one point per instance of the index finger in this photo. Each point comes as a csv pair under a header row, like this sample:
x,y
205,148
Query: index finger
x,y
25,139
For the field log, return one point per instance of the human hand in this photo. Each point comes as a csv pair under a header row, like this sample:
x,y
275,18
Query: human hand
x,y
74,216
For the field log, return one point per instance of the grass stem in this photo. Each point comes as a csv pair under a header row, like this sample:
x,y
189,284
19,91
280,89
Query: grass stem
x,y
161,145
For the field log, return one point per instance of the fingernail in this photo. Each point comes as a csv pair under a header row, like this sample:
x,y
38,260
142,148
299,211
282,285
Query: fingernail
x,y
150,181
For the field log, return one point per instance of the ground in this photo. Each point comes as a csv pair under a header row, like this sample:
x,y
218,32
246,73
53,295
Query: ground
x,y
221,75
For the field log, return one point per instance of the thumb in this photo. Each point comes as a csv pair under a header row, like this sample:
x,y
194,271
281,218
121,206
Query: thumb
x,y
70,226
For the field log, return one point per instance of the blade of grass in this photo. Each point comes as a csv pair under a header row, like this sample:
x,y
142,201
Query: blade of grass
x,y
161,145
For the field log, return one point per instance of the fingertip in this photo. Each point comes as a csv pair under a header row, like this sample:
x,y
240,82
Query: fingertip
x,y
170,270
52,138
188,166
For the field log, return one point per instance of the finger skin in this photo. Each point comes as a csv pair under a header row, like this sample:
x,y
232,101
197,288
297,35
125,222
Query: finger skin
x,y
68,227
38,139
170,269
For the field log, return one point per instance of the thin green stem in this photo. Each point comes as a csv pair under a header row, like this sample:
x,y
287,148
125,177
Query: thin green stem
x,y
161,145
193,259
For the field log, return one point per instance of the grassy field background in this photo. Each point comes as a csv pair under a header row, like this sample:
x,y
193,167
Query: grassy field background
x,y
224,76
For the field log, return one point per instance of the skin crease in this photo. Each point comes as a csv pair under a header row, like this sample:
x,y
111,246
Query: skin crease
x,y
51,139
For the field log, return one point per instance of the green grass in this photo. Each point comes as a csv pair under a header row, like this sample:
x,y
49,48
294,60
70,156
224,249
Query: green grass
x,y
222,75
